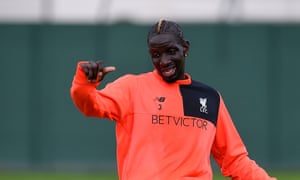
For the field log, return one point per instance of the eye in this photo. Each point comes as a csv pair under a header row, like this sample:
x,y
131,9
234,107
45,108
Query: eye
x,y
155,55
172,51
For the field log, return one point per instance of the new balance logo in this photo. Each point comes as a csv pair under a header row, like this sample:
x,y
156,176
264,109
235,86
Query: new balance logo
x,y
160,100
203,107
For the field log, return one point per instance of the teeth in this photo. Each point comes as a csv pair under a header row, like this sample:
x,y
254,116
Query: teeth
x,y
169,72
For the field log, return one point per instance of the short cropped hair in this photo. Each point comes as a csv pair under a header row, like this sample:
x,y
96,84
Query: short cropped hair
x,y
165,26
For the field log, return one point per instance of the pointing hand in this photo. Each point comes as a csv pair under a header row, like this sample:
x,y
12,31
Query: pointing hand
x,y
95,70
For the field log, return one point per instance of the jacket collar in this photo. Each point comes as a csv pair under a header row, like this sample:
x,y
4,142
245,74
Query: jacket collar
x,y
186,81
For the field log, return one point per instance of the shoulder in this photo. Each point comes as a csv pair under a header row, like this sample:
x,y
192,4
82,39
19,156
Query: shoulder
x,y
134,77
131,79
202,87
142,77
202,91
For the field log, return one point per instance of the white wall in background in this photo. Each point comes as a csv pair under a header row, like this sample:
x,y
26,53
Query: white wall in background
x,y
145,11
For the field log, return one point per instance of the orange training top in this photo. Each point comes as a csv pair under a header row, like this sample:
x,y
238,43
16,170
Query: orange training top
x,y
167,131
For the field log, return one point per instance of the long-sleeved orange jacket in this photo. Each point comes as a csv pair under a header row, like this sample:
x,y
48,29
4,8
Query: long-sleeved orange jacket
x,y
167,131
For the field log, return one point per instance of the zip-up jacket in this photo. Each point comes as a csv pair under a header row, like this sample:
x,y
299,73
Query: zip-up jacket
x,y
167,131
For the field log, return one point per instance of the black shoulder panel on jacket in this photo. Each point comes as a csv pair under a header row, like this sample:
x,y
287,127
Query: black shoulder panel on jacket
x,y
200,100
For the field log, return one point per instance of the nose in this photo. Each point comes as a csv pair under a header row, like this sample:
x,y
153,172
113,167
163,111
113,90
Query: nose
x,y
164,60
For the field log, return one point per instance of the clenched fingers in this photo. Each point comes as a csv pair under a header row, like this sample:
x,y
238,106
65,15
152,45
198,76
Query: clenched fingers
x,y
95,70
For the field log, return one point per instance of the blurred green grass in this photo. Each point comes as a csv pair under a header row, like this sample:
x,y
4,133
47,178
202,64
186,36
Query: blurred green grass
x,y
22,175
13,175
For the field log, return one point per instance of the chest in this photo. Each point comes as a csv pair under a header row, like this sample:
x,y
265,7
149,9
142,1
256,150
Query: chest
x,y
162,100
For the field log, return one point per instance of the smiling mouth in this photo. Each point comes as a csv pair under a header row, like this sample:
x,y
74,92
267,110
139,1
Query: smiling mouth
x,y
168,72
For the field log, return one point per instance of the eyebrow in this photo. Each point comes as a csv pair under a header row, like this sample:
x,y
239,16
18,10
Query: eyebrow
x,y
162,48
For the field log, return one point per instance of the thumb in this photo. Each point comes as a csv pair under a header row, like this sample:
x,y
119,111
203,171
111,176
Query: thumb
x,y
105,71
109,69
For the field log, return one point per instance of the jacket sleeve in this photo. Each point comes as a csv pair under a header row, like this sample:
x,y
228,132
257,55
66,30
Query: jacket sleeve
x,y
231,154
112,102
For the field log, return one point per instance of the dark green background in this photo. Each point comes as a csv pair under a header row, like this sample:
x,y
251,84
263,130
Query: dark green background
x,y
254,66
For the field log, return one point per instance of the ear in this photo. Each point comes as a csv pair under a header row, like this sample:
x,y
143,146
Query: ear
x,y
186,47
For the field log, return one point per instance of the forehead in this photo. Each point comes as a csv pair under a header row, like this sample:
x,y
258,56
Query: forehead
x,y
163,40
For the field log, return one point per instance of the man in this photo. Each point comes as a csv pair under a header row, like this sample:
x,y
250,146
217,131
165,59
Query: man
x,y
167,125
